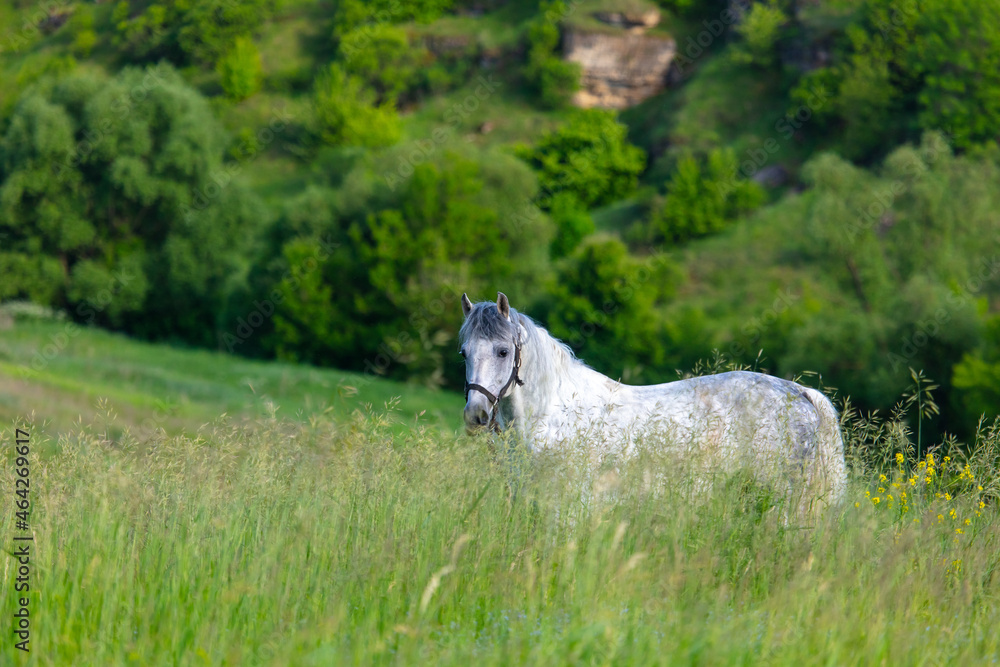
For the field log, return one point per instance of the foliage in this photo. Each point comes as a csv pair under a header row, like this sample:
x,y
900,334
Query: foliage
x,y
84,37
382,57
977,376
112,190
589,157
956,52
696,9
198,32
938,58
604,304
875,255
352,14
545,73
240,70
703,197
759,29
407,254
347,113
573,224
912,288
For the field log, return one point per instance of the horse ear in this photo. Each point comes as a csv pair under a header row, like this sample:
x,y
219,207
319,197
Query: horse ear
x,y
466,304
503,305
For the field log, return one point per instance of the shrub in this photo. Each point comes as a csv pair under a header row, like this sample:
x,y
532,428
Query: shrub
x,y
703,197
382,57
589,157
604,303
126,217
240,70
407,253
199,32
347,114
572,222
759,29
351,14
546,74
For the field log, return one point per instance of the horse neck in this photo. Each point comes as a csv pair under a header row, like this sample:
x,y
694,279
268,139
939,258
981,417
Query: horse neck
x,y
552,375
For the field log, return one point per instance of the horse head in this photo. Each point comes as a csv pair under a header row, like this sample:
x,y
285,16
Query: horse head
x,y
490,341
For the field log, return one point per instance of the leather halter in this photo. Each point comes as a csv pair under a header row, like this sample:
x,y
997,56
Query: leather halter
x,y
495,400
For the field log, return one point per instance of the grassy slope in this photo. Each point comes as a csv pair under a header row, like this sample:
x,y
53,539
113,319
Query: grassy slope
x,y
338,542
180,389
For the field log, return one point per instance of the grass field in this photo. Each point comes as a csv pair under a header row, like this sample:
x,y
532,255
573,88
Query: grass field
x,y
156,386
315,537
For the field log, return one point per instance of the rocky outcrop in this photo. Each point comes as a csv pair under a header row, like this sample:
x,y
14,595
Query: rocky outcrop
x,y
646,19
619,68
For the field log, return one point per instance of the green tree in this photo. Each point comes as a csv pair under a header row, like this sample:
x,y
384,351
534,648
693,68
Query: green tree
x,y
383,296
703,197
546,74
84,37
759,29
977,377
382,57
117,205
573,223
240,70
606,304
187,32
956,53
589,157
350,14
912,66
347,114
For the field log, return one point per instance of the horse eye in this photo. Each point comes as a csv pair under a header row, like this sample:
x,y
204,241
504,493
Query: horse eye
x,y
462,352
503,352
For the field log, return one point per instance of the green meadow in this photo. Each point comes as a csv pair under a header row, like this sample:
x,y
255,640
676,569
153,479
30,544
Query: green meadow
x,y
298,523
62,371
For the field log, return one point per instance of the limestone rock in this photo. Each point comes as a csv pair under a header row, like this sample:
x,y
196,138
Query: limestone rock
x,y
619,69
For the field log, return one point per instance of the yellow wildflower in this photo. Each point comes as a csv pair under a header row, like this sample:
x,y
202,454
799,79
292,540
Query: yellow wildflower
x,y
899,458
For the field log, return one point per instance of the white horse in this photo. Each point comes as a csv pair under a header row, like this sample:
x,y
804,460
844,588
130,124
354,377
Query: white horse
x,y
519,377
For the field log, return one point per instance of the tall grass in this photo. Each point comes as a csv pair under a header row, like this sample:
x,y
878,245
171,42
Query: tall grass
x,y
344,542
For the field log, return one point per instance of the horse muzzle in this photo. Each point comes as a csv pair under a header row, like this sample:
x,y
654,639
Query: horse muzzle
x,y
477,414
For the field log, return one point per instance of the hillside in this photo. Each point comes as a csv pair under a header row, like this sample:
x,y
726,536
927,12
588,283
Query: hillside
x,y
66,376
801,186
